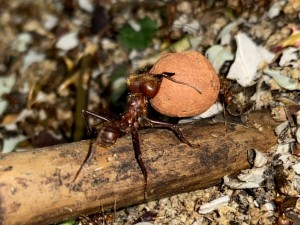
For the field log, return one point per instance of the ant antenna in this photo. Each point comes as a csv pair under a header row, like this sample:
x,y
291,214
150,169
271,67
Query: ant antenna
x,y
166,75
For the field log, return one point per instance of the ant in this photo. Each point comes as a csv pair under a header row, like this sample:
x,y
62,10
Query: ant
x,y
229,92
99,218
283,204
142,88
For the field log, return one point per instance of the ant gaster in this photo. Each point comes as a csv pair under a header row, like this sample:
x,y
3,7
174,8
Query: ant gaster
x,y
142,87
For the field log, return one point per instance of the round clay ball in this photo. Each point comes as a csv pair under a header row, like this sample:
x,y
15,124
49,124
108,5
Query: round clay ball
x,y
183,100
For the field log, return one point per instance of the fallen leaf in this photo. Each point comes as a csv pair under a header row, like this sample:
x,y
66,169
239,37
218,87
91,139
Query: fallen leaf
x,y
289,57
282,80
248,58
218,55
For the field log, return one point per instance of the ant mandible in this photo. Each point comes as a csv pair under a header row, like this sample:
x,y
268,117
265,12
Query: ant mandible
x,y
141,87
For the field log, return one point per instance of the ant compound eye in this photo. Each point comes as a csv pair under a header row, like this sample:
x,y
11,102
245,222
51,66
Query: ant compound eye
x,y
108,135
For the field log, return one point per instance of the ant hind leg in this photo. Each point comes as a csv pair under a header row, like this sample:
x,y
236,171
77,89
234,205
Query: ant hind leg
x,y
87,159
103,116
91,152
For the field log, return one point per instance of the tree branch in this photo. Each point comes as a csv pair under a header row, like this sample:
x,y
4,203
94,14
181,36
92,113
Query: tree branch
x,y
36,186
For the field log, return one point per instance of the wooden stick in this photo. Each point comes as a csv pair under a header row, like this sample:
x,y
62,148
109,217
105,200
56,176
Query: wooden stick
x,y
36,186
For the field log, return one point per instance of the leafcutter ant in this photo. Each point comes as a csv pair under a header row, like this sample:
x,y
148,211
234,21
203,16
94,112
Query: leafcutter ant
x,y
141,87
283,204
229,96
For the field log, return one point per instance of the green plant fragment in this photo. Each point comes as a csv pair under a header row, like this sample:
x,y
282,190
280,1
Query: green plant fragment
x,y
132,39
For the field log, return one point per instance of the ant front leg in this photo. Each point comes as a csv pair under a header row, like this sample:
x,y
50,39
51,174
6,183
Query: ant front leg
x,y
173,127
138,157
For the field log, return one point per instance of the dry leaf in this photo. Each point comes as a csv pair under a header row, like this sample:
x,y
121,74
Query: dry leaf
x,y
248,58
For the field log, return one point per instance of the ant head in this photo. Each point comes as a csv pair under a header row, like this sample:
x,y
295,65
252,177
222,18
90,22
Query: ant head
x,y
145,84
149,84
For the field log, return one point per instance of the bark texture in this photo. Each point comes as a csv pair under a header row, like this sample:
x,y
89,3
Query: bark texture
x,y
36,187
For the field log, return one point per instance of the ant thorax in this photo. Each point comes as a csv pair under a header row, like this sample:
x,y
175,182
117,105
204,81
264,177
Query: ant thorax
x,y
136,108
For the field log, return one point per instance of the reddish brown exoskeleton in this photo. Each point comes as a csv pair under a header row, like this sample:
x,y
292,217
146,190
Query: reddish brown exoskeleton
x,y
229,92
142,87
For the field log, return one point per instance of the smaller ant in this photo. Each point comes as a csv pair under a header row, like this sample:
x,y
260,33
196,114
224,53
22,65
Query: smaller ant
x,y
229,97
96,219
283,204
142,87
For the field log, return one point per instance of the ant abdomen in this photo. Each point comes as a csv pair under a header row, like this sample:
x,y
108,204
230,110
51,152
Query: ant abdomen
x,y
108,135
